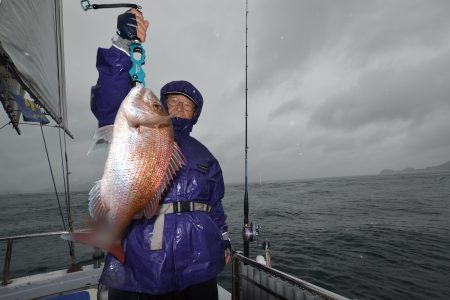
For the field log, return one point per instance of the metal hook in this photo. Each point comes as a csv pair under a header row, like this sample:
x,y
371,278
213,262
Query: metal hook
x,y
85,4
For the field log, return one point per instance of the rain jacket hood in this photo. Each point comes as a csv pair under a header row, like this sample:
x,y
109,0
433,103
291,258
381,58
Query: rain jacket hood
x,y
183,127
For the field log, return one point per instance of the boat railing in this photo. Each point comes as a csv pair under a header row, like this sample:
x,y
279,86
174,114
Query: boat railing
x,y
9,247
253,280
250,279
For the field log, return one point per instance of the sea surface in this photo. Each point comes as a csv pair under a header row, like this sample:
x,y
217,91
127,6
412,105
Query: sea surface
x,y
366,237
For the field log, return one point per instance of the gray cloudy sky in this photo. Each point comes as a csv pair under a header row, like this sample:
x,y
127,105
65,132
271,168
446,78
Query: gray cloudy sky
x,y
336,88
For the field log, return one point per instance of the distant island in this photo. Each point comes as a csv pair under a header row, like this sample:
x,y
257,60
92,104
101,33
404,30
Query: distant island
x,y
439,168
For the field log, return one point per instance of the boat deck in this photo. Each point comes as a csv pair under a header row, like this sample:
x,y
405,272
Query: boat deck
x,y
60,284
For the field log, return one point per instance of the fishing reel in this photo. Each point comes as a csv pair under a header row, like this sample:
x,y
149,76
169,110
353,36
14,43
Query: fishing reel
x,y
249,233
253,234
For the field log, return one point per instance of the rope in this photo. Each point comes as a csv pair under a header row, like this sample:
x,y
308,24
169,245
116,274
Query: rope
x,y
62,165
54,185
34,124
5,125
64,168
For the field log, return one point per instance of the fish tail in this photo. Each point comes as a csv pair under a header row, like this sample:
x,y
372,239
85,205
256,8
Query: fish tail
x,y
116,250
91,239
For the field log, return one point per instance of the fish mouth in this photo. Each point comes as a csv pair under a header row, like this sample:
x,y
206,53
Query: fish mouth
x,y
165,122
163,125
158,122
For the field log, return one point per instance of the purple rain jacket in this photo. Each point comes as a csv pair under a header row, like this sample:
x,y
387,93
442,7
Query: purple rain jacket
x,y
192,250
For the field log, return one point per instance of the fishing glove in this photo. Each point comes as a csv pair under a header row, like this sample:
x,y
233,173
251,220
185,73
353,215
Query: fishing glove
x,y
126,31
127,26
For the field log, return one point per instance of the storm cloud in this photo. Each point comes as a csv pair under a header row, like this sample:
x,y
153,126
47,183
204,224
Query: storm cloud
x,y
335,88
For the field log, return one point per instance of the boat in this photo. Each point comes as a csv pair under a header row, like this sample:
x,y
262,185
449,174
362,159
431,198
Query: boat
x,y
32,66
251,280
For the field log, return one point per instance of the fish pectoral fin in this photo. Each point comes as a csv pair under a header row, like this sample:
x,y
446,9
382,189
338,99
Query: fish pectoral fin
x,y
176,162
102,138
97,209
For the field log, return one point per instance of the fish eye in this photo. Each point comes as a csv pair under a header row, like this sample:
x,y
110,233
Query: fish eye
x,y
156,106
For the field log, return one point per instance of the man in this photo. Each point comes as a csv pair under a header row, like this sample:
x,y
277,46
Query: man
x,y
178,253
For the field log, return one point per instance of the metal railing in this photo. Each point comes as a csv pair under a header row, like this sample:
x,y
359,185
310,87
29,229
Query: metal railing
x,y
9,247
252,280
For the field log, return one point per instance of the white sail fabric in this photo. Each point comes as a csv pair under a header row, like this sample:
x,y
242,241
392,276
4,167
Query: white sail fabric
x,y
31,35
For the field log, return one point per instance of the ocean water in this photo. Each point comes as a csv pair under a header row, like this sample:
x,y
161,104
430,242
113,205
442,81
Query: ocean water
x,y
366,237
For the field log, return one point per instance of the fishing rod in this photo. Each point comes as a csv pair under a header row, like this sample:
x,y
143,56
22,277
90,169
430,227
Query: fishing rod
x,y
249,233
247,230
137,52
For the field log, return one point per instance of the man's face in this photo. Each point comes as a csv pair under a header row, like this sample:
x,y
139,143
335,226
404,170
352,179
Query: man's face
x,y
180,106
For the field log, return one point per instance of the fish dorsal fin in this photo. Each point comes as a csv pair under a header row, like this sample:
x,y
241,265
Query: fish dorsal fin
x,y
97,209
176,162
102,138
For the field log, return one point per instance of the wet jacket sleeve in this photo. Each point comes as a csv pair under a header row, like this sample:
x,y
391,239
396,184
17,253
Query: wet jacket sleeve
x,y
112,86
216,193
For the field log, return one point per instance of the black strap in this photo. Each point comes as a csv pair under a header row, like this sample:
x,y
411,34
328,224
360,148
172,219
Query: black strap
x,y
98,6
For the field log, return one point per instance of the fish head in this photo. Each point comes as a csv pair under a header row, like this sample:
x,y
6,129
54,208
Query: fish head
x,y
142,108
